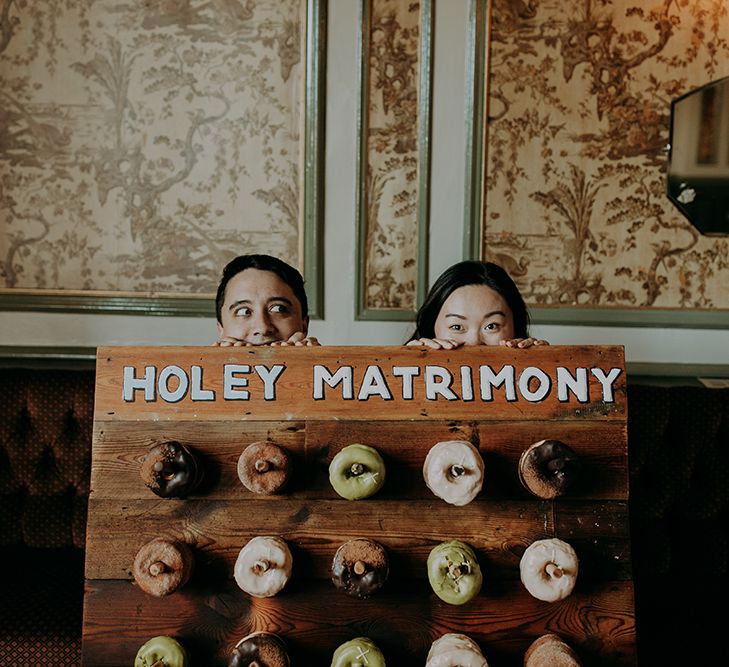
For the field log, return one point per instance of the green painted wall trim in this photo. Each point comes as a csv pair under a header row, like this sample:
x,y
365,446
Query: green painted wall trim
x,y
68,358
626,317
477,71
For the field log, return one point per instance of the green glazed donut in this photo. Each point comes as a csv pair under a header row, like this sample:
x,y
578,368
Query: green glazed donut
x,y
161,651
453,572
357,471
359,652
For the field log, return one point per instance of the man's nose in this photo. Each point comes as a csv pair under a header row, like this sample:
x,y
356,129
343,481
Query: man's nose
x,y
262,323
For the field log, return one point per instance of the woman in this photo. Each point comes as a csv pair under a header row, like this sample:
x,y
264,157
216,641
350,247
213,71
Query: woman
x,y
473,303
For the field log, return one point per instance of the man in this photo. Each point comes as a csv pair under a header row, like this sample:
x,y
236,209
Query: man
x,y
261,301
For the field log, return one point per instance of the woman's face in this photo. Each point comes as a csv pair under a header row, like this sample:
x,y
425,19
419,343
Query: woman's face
x,y
475,315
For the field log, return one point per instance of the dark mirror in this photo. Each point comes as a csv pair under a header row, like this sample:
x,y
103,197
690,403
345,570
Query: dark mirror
x,y
698,167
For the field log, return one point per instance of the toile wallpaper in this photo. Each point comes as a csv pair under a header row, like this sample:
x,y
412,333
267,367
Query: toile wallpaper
x,y
575,202
391,159
144,144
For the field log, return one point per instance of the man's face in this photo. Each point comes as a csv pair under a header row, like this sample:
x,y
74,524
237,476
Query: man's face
x,y
260,308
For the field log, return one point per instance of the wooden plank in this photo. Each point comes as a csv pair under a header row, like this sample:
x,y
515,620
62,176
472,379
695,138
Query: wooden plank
x,y
314,619
210,613
119,448
217,530
193,383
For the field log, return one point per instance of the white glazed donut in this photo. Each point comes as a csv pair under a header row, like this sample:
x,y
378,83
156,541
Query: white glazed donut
x,y
455,650
548,569
263,566
453,471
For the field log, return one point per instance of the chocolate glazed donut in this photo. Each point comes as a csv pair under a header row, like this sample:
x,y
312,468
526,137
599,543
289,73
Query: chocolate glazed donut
x,y
259,649
548,468
360,568
264,468
171,470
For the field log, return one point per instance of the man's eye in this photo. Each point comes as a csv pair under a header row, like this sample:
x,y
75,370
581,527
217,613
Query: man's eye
x,y
279,308
242,312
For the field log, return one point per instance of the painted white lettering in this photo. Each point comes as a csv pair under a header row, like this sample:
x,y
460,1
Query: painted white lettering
x,y
466,383
606,382
438,381
374,384
132,383
343,375
527,375
577,384
269,378
163,384
197,393
490,379
231,382
407,373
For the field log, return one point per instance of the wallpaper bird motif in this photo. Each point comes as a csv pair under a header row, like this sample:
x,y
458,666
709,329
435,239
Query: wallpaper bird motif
x,y
579,97
144,144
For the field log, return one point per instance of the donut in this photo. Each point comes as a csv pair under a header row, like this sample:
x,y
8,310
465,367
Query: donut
x,y
455,650
161,650
357,471
548,468
549,569
550,651
263,566
453,572
360,568
358,652
453,471
171,470
260,649
162,566
264,468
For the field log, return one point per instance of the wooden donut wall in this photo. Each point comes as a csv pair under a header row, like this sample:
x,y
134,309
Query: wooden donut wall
x,y
210,613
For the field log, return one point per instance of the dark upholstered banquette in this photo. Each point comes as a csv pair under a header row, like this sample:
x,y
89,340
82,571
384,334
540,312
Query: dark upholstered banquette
x,y
679,499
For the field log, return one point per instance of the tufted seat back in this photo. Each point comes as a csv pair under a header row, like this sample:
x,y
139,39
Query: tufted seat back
x,y
46,422
678,439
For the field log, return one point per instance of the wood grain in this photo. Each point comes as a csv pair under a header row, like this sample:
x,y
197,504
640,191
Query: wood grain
x,y
314,618
211,613
119,448
295,388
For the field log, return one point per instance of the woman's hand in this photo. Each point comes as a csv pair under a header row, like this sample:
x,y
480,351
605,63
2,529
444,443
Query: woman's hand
x,y
523,342
436,343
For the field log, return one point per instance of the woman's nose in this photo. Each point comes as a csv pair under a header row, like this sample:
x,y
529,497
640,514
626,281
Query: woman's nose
x,y
472,337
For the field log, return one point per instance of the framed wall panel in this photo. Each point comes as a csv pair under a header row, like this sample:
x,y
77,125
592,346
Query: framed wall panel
x,y
144,145
565,187
395,55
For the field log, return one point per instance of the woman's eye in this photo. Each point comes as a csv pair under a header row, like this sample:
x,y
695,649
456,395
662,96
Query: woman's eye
x,y
455,327
492,326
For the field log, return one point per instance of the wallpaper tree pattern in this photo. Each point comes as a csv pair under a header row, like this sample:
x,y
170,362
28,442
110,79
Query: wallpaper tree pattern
x,y
578,120
391,188
144,144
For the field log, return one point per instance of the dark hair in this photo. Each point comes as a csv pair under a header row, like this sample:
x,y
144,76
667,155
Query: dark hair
x,y
285,271
471,272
